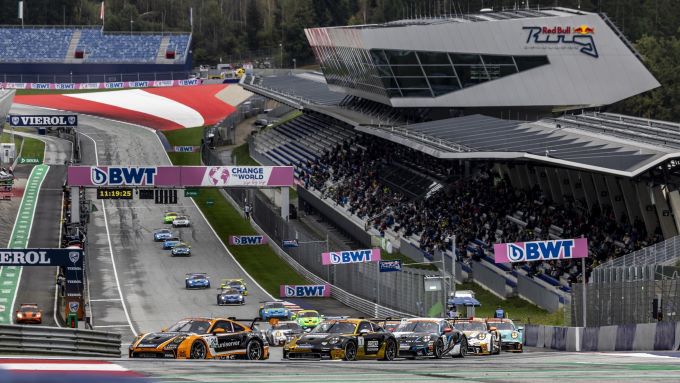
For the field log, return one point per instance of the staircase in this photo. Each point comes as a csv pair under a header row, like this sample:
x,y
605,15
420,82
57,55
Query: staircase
x,y
71,52
160,56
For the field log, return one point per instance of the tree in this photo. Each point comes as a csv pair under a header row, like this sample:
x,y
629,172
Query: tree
x,y
254,25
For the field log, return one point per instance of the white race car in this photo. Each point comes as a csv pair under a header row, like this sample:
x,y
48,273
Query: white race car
x,y
181,221
482,338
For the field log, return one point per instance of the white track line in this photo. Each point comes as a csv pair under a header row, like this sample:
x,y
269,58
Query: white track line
x,y
28,237
108,238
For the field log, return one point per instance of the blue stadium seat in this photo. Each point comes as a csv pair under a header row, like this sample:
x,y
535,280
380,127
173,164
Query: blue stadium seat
x,y
34,44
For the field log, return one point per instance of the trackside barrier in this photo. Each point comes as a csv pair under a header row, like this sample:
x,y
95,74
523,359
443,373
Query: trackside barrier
x,y
58,341
635,337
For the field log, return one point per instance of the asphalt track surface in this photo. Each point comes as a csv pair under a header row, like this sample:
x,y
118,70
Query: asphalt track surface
x,y
530,366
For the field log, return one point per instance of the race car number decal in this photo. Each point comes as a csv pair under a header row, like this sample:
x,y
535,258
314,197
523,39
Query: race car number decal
x,y
212,342
360,341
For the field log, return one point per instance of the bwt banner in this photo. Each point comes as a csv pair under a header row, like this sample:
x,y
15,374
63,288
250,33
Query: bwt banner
x,y
99,85
350,256
239,240
392,265
180,176
185,149
305,291
44,120
541,250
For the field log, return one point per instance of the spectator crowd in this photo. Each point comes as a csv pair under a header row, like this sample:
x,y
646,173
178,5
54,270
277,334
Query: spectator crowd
x,y
475,206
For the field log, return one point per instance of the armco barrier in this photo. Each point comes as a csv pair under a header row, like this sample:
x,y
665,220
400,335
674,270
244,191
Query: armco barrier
x,y
624,335
591,339
665,336
645,334
38,340
640,337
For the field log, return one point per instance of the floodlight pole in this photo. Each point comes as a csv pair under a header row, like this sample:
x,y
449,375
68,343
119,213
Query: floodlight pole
x,y
583,273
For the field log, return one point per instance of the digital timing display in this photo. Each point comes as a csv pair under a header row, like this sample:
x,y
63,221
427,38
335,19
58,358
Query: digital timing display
x,y
114,193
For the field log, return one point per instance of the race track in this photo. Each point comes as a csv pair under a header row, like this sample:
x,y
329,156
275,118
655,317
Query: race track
x,y
149,281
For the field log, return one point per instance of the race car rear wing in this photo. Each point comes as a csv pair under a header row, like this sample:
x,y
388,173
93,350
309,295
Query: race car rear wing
x,y
251,320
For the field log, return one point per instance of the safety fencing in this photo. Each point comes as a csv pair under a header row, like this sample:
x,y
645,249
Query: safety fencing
x,y
112,83
640,337
626,301
37,340
66,81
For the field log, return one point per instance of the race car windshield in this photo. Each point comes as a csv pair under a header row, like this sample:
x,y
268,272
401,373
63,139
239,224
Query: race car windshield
x,y
26,309
275,305
335,328
308,315
470,326
235,284
502,325
429,327
287,326
230,291
195,326
199,276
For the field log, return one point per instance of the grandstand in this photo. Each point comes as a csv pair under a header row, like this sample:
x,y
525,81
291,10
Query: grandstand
x,y
31,52
490,161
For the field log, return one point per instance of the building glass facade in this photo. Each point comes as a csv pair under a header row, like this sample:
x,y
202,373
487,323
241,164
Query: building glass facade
x,y
407,73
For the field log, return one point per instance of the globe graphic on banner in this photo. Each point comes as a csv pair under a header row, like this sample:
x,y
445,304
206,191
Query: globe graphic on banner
x,y
218,175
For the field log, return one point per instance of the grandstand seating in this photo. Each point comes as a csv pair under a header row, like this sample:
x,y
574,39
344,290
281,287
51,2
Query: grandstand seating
x,y
51,45
34,44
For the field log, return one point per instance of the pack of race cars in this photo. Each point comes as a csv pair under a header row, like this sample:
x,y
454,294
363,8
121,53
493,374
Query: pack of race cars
x,y
331,339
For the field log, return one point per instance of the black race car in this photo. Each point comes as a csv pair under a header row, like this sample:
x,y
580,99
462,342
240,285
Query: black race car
x,y
347,339
433,337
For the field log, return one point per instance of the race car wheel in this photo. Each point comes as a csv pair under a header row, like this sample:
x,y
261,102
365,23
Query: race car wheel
x,y
254,350
497,349
390,350
197,350
438,350
463,349
350,351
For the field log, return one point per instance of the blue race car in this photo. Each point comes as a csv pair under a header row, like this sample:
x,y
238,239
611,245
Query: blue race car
x,y
181,250
171,242
511,335
162,235
274,309
230,296
197,281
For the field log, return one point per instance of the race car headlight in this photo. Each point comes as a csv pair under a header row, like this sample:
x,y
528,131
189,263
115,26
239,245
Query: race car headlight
x,y
481,336
38,315
334,340
175,343
20,315
514,335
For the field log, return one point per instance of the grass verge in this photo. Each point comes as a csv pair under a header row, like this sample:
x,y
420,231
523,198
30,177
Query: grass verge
x,y
258,261
33,148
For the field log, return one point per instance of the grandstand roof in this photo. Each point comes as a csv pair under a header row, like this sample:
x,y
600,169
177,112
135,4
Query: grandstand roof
x,y
456,17
484,137
602,142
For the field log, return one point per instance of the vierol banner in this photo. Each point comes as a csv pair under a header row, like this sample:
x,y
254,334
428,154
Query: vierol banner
x,y
181,176
44,121
540,250
350,256
70,260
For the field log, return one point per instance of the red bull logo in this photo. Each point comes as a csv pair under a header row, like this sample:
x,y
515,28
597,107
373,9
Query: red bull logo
x,y
584,30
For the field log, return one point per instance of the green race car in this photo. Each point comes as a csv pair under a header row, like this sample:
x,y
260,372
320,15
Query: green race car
x,y
169,217
308,318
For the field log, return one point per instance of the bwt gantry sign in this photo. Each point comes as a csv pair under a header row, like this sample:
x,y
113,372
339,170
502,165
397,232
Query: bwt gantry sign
x,y
181,176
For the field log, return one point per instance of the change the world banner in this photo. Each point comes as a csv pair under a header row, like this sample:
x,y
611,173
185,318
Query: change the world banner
x,y
540,250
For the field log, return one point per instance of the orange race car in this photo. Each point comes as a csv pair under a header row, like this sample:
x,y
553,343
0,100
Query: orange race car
x,y
28,313
202,338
